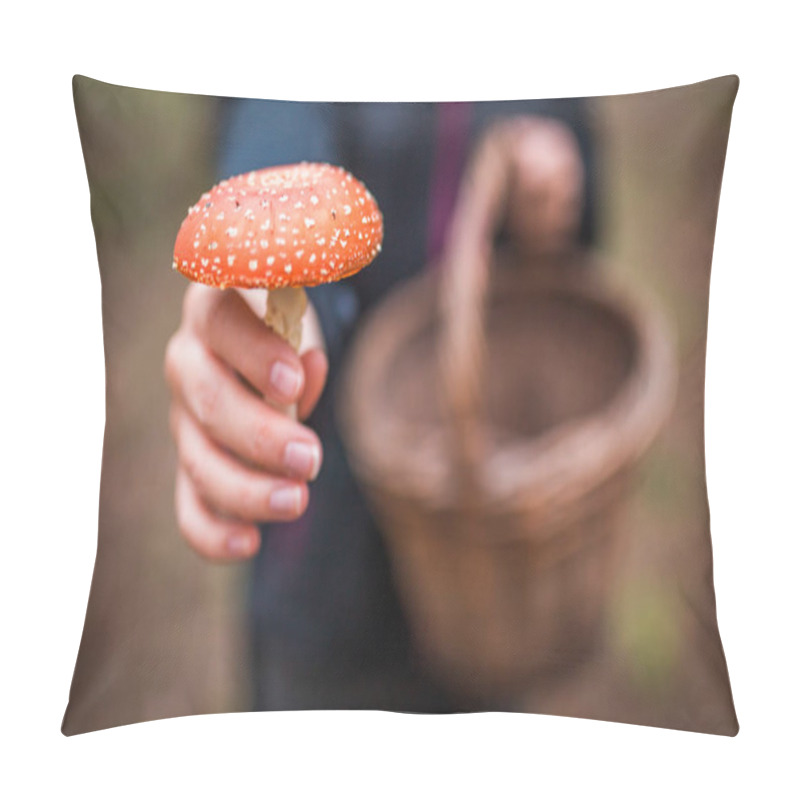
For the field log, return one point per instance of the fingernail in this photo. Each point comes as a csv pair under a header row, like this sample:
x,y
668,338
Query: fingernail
x,y
302,459
285,500
285,380
239,545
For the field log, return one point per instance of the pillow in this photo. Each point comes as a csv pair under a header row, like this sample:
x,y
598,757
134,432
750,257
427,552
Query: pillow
x,y
511,512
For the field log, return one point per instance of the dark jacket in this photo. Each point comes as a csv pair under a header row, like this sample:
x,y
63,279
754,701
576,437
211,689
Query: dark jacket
x,y
327,629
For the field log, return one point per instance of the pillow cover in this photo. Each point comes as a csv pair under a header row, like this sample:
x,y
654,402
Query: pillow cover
x,y
565,569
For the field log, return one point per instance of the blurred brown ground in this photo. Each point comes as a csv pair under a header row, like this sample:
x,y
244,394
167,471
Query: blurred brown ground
x,y
163,632
162,636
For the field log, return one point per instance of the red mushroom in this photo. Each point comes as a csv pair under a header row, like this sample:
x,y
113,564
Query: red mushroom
x,y
281,229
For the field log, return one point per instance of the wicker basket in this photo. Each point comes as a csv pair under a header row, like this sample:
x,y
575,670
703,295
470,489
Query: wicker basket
x,y
504,552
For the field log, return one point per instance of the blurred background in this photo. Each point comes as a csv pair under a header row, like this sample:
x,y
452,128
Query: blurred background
x,y
164,630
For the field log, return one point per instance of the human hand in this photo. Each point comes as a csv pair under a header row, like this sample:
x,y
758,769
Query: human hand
x,y
240,459
545,196
527,176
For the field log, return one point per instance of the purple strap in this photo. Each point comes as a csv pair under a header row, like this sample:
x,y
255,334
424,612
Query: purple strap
x,y
452,131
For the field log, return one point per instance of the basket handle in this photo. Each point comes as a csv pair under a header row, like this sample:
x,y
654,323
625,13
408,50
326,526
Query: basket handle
x,y
463,286
482,202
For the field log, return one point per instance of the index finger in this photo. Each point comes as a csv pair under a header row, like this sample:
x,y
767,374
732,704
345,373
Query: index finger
x,y
233,332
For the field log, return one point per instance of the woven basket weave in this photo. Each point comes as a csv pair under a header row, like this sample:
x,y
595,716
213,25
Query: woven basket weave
x,y
504,549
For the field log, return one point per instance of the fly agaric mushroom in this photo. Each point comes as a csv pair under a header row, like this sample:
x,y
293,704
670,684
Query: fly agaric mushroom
x,y
281,229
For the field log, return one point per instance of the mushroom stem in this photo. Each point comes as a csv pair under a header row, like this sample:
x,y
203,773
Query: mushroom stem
x,y
284,314
285,309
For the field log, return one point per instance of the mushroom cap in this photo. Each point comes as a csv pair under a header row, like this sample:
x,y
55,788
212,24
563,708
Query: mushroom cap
x,y
297,225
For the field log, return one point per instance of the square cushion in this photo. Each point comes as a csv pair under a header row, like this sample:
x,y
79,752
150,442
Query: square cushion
x,y
585,586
